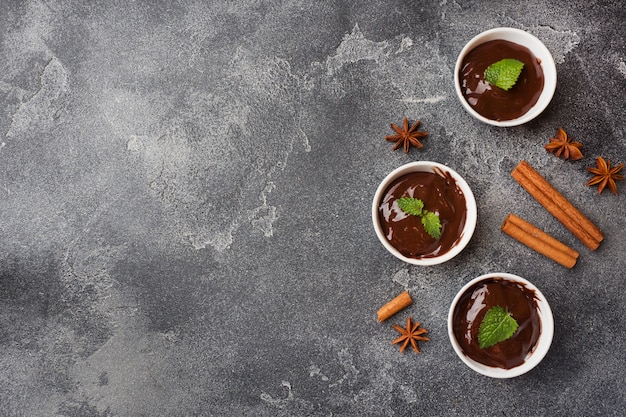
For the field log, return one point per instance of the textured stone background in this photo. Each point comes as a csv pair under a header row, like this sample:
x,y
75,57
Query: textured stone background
x,y
185,189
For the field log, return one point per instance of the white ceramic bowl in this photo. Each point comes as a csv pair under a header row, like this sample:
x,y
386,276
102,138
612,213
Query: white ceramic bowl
x,y
470,221
543,343
537,47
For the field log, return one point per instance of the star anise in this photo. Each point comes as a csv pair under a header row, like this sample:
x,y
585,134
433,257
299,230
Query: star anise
x,y
562,145
410,335
405,136
605,175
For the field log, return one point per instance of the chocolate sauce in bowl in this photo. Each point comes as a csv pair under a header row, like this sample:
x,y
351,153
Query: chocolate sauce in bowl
x,y
440,194
490,101
471,308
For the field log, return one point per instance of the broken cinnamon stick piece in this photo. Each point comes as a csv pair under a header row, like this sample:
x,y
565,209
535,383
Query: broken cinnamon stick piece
x,y
540,241
557,205
394,306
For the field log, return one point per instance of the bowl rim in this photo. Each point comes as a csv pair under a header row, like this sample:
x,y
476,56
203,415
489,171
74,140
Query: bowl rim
x,y
470,202
537,47
543,343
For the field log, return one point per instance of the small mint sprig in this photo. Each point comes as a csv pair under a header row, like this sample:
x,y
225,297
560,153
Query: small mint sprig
x,y
497,326
415,207
504,73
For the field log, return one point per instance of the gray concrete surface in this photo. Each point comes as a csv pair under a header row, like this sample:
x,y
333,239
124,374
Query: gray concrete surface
x,y
185,196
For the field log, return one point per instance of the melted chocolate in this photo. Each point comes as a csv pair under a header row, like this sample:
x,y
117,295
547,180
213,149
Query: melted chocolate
x,y
440,194
471,309
493,102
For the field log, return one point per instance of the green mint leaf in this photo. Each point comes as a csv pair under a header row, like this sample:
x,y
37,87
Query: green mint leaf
x,y
411,205
504,73
415,207
497,326
432,224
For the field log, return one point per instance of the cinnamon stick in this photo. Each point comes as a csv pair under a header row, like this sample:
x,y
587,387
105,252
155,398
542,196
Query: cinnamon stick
x,y
392,307
557,205
540,241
